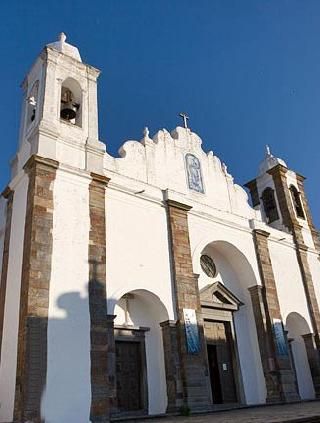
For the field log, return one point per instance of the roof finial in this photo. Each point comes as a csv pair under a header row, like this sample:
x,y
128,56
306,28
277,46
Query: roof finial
x,y
62,37
268,150
146,132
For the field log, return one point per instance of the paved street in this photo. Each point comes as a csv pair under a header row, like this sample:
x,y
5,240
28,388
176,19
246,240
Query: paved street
x,y
302,412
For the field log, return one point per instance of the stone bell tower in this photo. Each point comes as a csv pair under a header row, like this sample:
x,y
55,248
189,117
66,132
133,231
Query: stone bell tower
x,y
55,204
59,114
280,195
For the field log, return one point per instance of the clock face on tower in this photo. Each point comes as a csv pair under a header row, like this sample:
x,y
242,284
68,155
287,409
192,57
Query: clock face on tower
x,y
208,266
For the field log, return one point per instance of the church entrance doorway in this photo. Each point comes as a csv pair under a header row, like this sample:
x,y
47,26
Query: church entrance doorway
x,y
218,305
129,376
219,348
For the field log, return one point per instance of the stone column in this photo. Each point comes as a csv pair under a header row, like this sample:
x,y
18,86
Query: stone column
x,y
101,326
172,365
194,367
314,232
34,295
278,371
313,360
8,194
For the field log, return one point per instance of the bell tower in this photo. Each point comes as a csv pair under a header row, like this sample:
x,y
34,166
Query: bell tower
x,y
59,112
280,195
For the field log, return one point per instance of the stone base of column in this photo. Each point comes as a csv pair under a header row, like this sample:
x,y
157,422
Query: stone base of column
x,y
187,380
288,386
313,355
172,366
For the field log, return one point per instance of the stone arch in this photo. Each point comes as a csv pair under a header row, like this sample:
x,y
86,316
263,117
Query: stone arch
x,y
143,309
71,96
237,274
297,328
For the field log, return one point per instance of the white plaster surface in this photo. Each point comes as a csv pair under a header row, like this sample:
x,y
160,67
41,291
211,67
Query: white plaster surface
x,y
11,313
137,244
292,299
67,395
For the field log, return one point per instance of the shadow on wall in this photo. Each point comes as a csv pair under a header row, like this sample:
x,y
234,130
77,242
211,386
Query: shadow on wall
x,y
57,384
298,327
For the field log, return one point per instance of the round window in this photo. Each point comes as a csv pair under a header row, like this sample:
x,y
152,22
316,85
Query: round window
x,y
208,266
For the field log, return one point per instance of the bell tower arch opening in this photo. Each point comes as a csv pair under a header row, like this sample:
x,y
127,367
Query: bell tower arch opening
x,y
71,101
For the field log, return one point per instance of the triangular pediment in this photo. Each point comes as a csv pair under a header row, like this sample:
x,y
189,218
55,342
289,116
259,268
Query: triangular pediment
x,y
217,295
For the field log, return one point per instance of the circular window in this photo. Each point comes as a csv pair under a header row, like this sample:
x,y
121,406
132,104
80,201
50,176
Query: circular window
x,y
208,266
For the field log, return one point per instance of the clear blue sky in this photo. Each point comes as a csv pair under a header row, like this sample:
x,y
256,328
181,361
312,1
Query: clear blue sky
x,y
246,71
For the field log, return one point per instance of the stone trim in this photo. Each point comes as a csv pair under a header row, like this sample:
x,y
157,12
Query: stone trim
x,y
194,367
302,255
314,232
100,330
35,284
172,365
278,174
265,344
253,188
8,194
279,375
178,205
313,360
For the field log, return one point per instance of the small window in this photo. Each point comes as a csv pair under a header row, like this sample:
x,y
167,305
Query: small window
x,y
269,205
208,266
296,199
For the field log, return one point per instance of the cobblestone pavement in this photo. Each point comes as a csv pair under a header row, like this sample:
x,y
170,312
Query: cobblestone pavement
x,y
300,412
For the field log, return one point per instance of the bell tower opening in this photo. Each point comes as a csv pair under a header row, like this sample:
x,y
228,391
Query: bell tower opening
x,y
32,102
295,195
70,102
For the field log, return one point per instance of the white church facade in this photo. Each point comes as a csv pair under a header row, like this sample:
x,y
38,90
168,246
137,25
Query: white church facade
x,y
146,284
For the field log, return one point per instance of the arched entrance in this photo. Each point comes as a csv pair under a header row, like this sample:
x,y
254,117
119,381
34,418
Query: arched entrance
x,y
299,336
140,371
232,323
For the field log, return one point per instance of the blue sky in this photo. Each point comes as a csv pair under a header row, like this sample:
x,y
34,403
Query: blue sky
x,y
246,71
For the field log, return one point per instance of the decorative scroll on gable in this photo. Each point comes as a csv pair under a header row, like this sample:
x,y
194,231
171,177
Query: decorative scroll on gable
x,y
218,296
176,161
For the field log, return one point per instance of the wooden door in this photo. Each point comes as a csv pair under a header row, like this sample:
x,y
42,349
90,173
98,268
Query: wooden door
x,y
129,377
220,360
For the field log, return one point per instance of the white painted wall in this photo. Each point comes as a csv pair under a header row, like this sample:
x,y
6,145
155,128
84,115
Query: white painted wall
x,y
12,302
292,299
68,393
137,248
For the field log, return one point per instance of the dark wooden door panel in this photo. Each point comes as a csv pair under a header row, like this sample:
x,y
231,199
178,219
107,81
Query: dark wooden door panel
x,y
220,344
128,372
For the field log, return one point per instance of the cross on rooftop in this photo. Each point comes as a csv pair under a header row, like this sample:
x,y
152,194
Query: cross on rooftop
x,y
185,119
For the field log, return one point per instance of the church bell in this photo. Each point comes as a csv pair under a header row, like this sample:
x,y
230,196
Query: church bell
x,y
68,107
69,110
